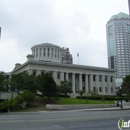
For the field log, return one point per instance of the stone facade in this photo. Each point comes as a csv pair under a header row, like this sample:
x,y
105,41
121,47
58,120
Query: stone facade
x,y
47,52
82,77
86,78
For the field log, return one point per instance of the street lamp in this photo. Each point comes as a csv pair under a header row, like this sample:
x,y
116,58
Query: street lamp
x,y
121,97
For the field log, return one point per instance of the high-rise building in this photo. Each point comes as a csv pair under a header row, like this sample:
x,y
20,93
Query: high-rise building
x,y
129,6
118,44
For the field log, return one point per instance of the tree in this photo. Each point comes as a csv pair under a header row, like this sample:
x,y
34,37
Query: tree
x,y
81,92
31,83
126,86
47,85
66,87
18,81
3,83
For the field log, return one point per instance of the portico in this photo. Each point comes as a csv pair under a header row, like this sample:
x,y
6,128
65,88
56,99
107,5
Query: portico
x,y
85,78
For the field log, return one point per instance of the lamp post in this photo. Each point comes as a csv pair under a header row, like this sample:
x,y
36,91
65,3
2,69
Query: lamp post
x,y
121,97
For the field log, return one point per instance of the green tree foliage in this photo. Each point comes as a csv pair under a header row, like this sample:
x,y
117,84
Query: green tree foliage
x,y
31,83
126,86
47,85
65,87
18,81
18,101
93,93
3,83
81,92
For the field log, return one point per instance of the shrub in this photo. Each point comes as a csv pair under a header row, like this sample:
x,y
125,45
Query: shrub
x,y
100,97
19,101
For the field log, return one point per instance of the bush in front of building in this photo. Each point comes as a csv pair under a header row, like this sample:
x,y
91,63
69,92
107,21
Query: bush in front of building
x,y
20,101
100,97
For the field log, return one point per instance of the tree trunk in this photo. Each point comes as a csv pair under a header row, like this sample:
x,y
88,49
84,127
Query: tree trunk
x,y
48,97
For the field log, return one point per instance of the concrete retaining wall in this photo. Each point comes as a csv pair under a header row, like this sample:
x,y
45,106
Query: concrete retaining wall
x,y
71,107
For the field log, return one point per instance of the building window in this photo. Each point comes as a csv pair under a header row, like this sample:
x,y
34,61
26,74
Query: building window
x,y
105,78
99,78
94,77
94,89
42,73
34,72
127,28
111,79
44,51
100,89
110,30
55,53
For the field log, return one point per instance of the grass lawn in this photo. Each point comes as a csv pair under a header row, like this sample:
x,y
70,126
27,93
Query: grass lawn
x,y
69,101
40,103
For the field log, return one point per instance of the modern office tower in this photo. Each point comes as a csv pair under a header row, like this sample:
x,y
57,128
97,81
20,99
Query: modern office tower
x,y
66,56
118,44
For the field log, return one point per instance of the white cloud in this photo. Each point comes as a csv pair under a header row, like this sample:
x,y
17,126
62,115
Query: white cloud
x,y
77,24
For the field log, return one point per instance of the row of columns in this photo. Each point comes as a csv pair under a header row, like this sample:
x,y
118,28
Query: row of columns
x,y
89,83
36,52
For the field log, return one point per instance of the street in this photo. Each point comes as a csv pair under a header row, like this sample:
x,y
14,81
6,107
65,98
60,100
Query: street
x,y
63,120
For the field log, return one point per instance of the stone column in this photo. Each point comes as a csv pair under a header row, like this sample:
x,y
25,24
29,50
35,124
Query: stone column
x,y
38,53
46,52
62,76
67,77
38,72
80,82
30,72
50,53
55,76
103,84
42,55
114,84
91,82
86,83
35,53
97,81
108,85
73,82
60,56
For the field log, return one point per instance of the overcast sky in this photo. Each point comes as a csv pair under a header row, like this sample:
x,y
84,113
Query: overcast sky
x,y
77,24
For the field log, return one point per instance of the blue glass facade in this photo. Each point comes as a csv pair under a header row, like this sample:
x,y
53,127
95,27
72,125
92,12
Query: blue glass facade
x,y
127,28
111,48
118,43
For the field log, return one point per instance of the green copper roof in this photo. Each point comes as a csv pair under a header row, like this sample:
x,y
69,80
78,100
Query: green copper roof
x,y
119,16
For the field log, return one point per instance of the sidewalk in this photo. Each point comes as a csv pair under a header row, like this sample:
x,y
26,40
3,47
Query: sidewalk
x,y
109,109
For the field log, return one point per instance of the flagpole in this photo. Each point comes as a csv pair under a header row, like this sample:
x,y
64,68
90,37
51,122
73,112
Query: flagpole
x,y
78,60
78,57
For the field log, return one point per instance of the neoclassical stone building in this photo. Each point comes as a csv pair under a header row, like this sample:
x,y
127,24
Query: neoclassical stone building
x,y
46,57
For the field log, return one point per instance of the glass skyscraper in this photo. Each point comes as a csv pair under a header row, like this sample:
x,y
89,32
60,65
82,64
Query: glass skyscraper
x,y
118,44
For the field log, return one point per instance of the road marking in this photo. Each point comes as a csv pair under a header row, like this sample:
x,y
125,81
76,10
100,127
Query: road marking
x,y
65,119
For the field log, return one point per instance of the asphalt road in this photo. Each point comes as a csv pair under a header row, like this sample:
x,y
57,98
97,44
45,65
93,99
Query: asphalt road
x,y
63,120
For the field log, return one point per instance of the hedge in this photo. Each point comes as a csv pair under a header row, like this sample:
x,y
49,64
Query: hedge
x,y
103,98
